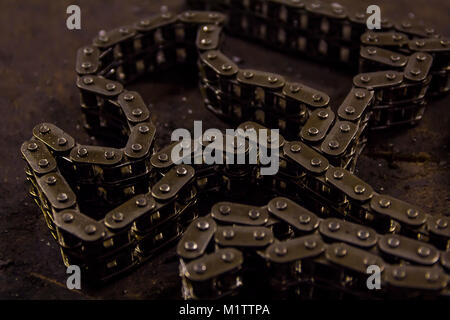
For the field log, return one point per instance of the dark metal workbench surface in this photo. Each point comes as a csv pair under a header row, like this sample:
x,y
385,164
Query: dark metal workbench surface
x,y
37,56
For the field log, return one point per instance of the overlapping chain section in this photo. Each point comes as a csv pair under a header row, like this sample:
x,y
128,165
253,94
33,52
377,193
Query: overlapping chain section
x,y
331,33
70,182
110,208
285,249
148,199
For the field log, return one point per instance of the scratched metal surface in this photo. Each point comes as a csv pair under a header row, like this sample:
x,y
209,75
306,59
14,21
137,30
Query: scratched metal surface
x,y
37,56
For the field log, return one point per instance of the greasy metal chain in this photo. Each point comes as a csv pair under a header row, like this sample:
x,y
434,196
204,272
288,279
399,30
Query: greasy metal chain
x,y
283,250
110,209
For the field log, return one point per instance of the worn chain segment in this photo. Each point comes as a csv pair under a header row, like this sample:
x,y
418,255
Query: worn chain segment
x,y
149,201
301,255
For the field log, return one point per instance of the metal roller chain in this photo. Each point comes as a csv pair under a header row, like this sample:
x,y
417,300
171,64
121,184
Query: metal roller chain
x,y
150,201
